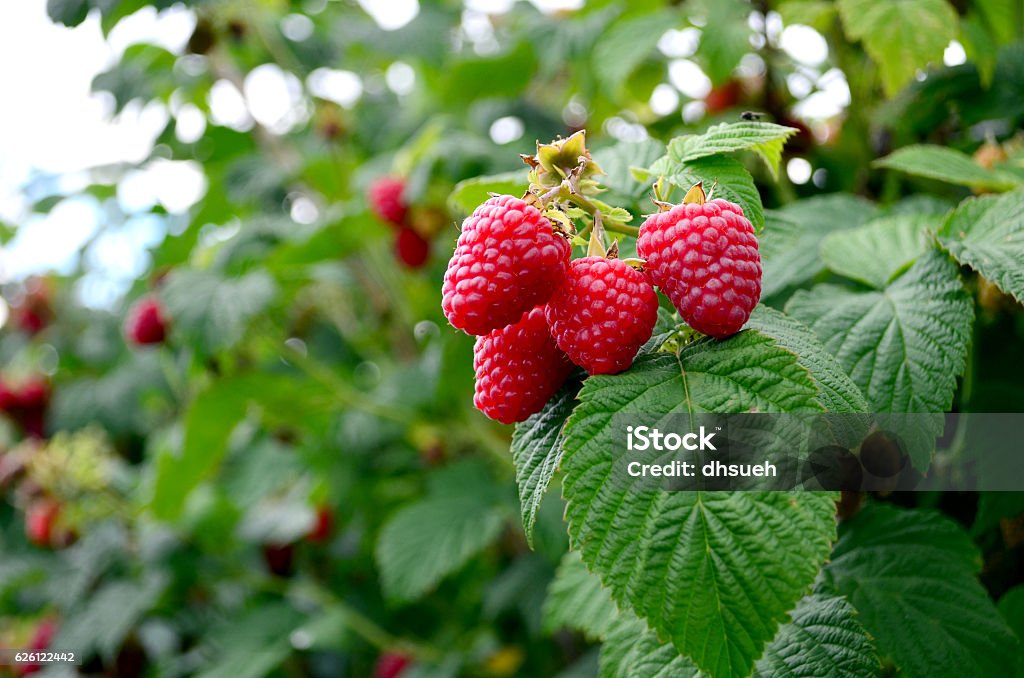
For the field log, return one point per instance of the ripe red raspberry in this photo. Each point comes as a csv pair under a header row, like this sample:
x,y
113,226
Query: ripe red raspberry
x,y
391,665
508,259
518,369
27,404
41,639
386,200
146,323
323,527
602,314
705,259
411,248
40,518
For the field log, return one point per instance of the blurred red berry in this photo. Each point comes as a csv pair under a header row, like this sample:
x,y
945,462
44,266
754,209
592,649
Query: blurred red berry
x,y
40,519
386,200
27,404
146,322
411,248
32,313
323,527
280,558
391,665
41,640
723,97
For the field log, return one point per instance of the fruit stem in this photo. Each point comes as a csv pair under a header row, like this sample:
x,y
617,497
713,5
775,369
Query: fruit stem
x,y
590,208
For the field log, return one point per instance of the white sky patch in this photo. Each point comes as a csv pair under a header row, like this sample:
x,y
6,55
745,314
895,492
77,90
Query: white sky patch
x,y
804,44
506,130
190,123
274,98
798,170
664,99
297,27
391,14
954,55
342,87
689,78
170,29
679,43
400,77
227,107
831,99
51,242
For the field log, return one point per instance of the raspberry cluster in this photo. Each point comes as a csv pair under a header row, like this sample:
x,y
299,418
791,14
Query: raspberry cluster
x,y
386,198
536,313
511,283
26,403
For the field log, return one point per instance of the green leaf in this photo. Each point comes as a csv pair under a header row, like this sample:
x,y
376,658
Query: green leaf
x,y
212,311
252,643
537,452
626,44
905,345
1011,607
792,237
429,539
818,14
577,600
764,138
725,36
824,638
211,417
874,253
502,75
987,234
913,577
946,164
838,392
471,193
68,12
901,36
109,614
617,162
734,183
713,571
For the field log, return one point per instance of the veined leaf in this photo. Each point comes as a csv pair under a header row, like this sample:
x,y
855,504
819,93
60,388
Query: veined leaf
x,y
947,164
764,138
427,540
537,452
913,577
730,178
905,345
471,193
901,36
715,572
792,237
578,600
987,234
824,638
625,46
838,392
874,253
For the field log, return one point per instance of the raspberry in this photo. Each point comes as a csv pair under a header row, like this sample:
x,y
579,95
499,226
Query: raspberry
x,y
39,521
705,258
411,248
391,665
27,404
602,314
508,259
41,639
386,200
323,527
518,369
145,323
